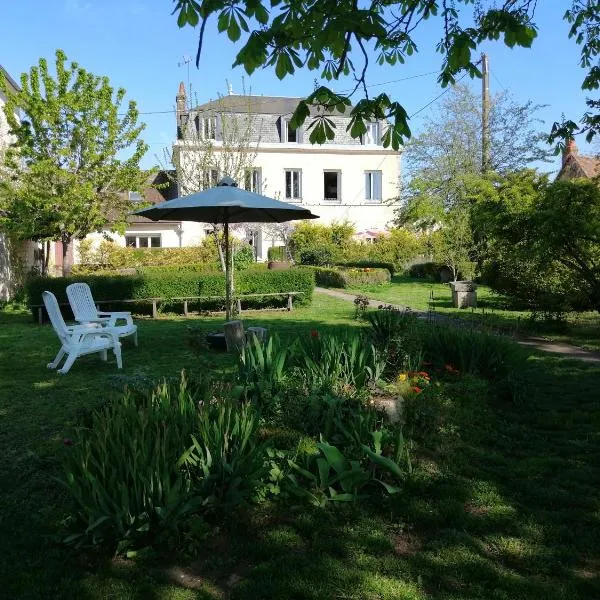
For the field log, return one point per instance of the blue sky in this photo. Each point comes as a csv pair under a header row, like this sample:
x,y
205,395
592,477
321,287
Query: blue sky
x,y
138,45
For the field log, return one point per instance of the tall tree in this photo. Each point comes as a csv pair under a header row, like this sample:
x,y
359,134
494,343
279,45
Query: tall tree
x,y
445,157
68,176
199,161
342,37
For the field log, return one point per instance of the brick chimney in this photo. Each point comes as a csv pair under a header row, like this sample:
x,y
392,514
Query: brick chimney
x,y
181,111
570,148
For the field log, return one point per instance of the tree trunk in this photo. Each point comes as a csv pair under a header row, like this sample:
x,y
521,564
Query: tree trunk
x,y
220,250
66,258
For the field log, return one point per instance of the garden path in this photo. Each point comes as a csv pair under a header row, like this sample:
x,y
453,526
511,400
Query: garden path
x,y
539,343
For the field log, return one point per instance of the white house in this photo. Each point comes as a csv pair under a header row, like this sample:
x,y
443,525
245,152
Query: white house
x,y
342,180
15,257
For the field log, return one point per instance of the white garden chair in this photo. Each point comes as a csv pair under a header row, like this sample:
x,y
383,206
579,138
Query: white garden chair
x,y
79,340
85,312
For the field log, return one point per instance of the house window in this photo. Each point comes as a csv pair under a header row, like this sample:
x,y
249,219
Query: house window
x,y
206,127
135,197
133,240
332,186
372,136
253,181
293,184
291,134
210,178
209,128
373,186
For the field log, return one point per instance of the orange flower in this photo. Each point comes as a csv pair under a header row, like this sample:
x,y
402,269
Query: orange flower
x,y
423,374
450,369
416,389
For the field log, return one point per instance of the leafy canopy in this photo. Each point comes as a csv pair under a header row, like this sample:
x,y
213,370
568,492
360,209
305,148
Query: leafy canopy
x,y
339,38
66,175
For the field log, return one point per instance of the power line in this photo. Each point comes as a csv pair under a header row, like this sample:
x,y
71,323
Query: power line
x,y
163,112
438,97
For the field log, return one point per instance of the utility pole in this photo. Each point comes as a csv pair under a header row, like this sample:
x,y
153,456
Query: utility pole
x,y
485,114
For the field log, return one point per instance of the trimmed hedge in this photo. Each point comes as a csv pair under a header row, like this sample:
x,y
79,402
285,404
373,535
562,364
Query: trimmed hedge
x,y
372,264
345,278
168,284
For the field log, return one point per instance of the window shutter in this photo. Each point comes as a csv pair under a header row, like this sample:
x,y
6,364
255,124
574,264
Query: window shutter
x,y
280,129
367,186
377,185
300,135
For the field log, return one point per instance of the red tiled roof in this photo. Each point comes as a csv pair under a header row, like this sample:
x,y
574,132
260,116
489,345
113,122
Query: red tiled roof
x,y
166,190
590,165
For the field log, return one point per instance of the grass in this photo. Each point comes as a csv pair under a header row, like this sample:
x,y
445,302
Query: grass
x,y
504,503
493,311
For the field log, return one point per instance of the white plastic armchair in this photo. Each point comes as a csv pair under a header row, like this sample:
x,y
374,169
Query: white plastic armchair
x,y
85,312
79,340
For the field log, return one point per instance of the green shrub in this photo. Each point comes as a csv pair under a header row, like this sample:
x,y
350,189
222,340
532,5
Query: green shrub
x,y
277,253
317,255
465,351
372,264
428,270
351,277
109,255
158,283
243,258
130,502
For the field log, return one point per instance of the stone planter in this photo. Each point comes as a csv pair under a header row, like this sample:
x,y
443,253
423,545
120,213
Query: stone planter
x,y
276,265
464,294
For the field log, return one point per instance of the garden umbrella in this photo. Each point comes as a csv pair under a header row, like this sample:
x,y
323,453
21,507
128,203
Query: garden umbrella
x,y
226,203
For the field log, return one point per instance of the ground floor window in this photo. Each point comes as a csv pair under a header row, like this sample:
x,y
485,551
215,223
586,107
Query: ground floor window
x,y
293,184
332,186
373,186
146,240
252,181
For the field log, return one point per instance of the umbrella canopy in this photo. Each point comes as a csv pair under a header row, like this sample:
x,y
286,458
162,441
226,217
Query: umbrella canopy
x,y
226,203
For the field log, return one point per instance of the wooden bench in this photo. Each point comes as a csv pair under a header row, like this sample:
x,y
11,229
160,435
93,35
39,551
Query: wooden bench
x,y
184,299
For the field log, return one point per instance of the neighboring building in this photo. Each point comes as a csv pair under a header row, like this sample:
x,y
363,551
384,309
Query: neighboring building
x,y
347,179
141,232
576,166
15,257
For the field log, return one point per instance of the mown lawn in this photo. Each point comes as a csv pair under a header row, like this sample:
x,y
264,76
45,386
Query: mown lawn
x,y
493,311
504,503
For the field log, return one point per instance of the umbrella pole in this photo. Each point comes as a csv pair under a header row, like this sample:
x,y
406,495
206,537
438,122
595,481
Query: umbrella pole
x,y
227,274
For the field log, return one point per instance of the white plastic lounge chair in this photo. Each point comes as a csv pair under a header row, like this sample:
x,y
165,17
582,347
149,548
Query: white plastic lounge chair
x,y
85,312
78,340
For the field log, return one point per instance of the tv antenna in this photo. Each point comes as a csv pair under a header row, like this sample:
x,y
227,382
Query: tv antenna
x,y
187,59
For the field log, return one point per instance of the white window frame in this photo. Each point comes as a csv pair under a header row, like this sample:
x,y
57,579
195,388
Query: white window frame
x,y
337,200
371,188
209,128
147,236
286,132
210,178
253,180
292,197
373,133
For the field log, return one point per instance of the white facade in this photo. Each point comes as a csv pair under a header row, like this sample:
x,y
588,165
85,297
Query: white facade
x,y
15,257
344,180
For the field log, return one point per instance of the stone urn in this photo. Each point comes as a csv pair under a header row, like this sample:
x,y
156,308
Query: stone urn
x,y
464,294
